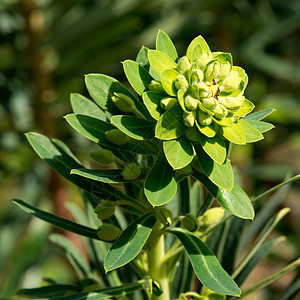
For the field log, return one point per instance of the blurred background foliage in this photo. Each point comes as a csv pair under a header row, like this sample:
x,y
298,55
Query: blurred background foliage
x,y
47,46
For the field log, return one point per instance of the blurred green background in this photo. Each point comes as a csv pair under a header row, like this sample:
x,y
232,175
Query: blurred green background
x,y
47,46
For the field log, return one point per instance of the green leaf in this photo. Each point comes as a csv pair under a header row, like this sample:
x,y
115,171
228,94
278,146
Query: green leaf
x,y
205,264
138,76
130,242
165,45
199,40
170,124
261,126
84,106
95,129
179,152
50,291
60,159
234,134
142,58
160,61
245,109
107,176
167,78
259,115
224,57
236,201
223,122
57,221
214,147
251,133
221,175
160,185
136,128
102,88
73,255
180,96
208,130
152,102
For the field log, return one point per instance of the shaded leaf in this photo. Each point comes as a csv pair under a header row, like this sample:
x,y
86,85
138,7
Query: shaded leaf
x,y
259,115
152,102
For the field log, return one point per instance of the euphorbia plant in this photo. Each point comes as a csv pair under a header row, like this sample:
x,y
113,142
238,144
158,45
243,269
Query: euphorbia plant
x,y
177,130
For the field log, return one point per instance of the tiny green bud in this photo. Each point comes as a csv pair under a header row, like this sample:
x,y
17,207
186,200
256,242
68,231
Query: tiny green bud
x,y
192,135
203,59
220,111
103,156
131,171
164,216
231,83
183,65
211,216
212,70
181,82
232,103
105,209
168,102
156,86
108,232
209,103
203,89
190,222
204,118
123,102
189,118
197,75
117,137
190,102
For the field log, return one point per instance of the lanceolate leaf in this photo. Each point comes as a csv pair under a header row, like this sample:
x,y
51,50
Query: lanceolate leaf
x,y
179,152
165,44
221,175
130,242
170,125
152,102
84,106
199,40
138,77
236,201
261,126
134,127
251,133
102,88
160,61
57,221
205,264
160,185
259,115
214,147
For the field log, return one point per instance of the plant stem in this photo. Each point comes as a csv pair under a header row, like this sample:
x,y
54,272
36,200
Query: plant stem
x,y
157,268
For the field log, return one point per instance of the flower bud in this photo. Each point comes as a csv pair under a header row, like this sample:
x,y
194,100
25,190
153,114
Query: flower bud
x,y
232,103
103,156
209,103
192,135
204,118
164,216
197,75
183,65
212,70
123,102
220,111
181,82
203,59
203,89
156,86
168,102
211,216
108,232
189,119
131,171
225,69
190,222
231,83
190,103
105,209
117,137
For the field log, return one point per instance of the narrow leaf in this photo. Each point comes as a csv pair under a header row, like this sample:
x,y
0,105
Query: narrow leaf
x,y
130,242
160,61
261,126
165,44
138,77
134,127
152,102
259,115
205,264
57,221
179,152
160,185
